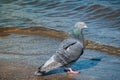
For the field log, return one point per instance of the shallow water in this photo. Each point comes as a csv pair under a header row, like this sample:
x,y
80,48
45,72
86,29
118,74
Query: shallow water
x,y
21,55
101,16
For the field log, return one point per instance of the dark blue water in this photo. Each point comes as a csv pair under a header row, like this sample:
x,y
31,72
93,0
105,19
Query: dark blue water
x,y
101,16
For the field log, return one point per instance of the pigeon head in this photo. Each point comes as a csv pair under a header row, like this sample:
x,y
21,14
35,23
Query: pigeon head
x,y
77,30
80,25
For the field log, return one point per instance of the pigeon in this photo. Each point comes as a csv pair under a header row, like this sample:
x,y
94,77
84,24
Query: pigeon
x,y
68,52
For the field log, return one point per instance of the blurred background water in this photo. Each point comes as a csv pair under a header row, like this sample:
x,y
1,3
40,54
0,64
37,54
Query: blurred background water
x,y
101,16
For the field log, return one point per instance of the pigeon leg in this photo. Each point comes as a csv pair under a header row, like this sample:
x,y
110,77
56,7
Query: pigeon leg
x,y
70,71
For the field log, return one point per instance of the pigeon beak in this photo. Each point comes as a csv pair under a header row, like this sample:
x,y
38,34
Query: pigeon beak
x,y
85,26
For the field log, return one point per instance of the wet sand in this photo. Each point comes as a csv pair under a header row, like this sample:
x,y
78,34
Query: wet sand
x,y
13,70
10,70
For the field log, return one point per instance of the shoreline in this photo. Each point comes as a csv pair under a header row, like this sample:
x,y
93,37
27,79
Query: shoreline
x,y
89,44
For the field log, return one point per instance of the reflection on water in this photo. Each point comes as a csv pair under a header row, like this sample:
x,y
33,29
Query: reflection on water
x,y
101,16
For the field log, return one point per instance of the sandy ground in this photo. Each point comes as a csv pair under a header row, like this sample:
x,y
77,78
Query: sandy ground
x,y
21,55
14,71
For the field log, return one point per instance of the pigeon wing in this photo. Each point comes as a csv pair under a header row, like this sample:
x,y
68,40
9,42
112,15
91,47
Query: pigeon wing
x,y
69,51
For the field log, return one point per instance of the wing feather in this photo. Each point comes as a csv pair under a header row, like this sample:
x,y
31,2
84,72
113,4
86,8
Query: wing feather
x,y
69,51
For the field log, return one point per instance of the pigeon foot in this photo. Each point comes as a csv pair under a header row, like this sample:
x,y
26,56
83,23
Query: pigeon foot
x,y
72,71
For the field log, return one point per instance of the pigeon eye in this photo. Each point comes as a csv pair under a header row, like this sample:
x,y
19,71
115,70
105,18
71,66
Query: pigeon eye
x,y
81,24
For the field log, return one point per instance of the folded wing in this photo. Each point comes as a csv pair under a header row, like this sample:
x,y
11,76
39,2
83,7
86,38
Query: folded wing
x,y
68,52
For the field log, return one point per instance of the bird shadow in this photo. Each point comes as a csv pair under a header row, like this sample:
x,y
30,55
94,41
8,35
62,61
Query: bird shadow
x,y
86,64
79,65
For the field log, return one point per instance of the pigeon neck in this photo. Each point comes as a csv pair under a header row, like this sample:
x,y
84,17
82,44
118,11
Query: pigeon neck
x,y
77,33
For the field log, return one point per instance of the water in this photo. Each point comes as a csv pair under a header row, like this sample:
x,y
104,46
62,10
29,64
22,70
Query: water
x,y
101,16
21,55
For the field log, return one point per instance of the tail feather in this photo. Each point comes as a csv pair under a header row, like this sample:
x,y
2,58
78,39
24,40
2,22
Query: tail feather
x,y
38,73
48,66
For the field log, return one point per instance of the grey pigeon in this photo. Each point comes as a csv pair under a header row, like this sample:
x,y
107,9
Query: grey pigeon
x,y
67,53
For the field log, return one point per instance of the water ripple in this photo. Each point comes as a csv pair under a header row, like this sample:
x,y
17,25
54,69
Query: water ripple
x,y
100,14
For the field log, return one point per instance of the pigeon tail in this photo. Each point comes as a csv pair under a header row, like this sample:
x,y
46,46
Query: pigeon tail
x,y
39,72
48,66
